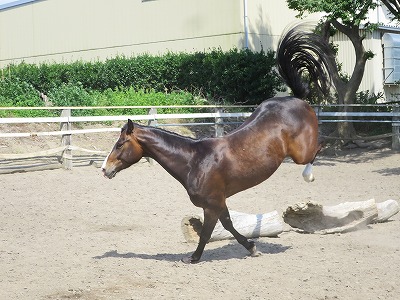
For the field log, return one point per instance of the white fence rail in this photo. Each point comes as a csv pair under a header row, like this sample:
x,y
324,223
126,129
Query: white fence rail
x,y
217,118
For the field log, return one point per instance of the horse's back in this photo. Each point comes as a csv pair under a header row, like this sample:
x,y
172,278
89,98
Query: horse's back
x,y
287,113
283,108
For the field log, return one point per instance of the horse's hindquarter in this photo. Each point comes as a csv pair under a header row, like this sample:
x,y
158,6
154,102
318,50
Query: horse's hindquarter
x,y
280,127
224,166
301,133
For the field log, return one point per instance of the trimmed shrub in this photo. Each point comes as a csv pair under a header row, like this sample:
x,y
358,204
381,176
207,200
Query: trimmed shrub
x,y
235,76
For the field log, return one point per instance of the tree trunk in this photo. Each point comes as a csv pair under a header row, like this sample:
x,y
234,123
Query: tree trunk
x,y
347,89
346,130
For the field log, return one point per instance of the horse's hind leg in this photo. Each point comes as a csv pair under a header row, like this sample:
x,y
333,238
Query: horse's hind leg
x,y
307,173
226,221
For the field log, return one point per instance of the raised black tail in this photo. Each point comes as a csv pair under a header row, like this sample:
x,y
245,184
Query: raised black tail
x,y
300,50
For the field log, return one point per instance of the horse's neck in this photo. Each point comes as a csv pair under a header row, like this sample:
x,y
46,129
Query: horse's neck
x,y
170,150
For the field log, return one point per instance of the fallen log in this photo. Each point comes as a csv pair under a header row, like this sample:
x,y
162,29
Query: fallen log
x,y
386,210
309,216
312,217
249,225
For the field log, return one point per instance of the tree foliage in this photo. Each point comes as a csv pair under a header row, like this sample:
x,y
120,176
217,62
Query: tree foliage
x,y
349,13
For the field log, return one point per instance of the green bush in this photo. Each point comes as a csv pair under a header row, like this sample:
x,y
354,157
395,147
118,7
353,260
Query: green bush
x,y
131,97
235,76
70,95
14,93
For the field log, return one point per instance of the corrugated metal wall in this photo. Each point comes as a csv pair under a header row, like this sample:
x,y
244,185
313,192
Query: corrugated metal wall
x,y
373,75
346,57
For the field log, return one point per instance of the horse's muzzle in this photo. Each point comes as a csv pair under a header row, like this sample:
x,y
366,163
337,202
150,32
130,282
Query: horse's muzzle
x,y
109,175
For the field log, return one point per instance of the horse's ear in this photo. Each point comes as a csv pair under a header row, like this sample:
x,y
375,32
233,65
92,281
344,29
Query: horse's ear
x,y
130,127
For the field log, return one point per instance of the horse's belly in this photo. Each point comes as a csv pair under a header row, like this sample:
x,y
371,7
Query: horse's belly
x,y
252,178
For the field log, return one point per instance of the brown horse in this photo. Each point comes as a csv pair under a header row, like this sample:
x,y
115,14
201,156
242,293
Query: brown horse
x,y
213,169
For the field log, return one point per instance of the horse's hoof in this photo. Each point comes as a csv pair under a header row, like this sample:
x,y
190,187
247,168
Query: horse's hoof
x,y
253,250
307,173
255,253
190,260
309,178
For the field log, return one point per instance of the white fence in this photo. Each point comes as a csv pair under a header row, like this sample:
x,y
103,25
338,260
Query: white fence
x,y
66,120
218,118
391,116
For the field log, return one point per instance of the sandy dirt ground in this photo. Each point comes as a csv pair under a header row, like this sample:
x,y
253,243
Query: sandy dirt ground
x,y
76,235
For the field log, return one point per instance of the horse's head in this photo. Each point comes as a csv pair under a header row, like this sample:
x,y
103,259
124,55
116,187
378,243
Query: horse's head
x,y
125,152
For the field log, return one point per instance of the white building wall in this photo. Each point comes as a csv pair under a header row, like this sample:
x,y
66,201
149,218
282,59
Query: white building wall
x,y
68,30
267,20
56,30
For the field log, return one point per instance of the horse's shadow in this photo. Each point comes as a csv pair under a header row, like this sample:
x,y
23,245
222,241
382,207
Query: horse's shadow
x,y
230,251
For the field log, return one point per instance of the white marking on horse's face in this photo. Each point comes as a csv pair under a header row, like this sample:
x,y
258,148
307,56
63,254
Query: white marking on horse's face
x,y
103,166
307,173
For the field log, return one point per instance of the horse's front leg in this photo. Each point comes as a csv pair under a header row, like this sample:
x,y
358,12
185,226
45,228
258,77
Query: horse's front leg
x,y
226,221
210,219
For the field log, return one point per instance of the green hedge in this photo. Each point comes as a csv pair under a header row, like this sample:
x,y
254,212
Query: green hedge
x,y
235,76
15,93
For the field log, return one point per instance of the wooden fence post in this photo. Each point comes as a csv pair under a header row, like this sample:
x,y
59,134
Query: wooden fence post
x,y
219,123
66,140
396,129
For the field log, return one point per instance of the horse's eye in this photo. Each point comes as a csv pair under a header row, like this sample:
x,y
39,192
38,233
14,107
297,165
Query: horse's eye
x,y
119,145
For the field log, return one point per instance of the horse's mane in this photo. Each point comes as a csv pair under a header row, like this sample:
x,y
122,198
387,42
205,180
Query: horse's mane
x,y
166,132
